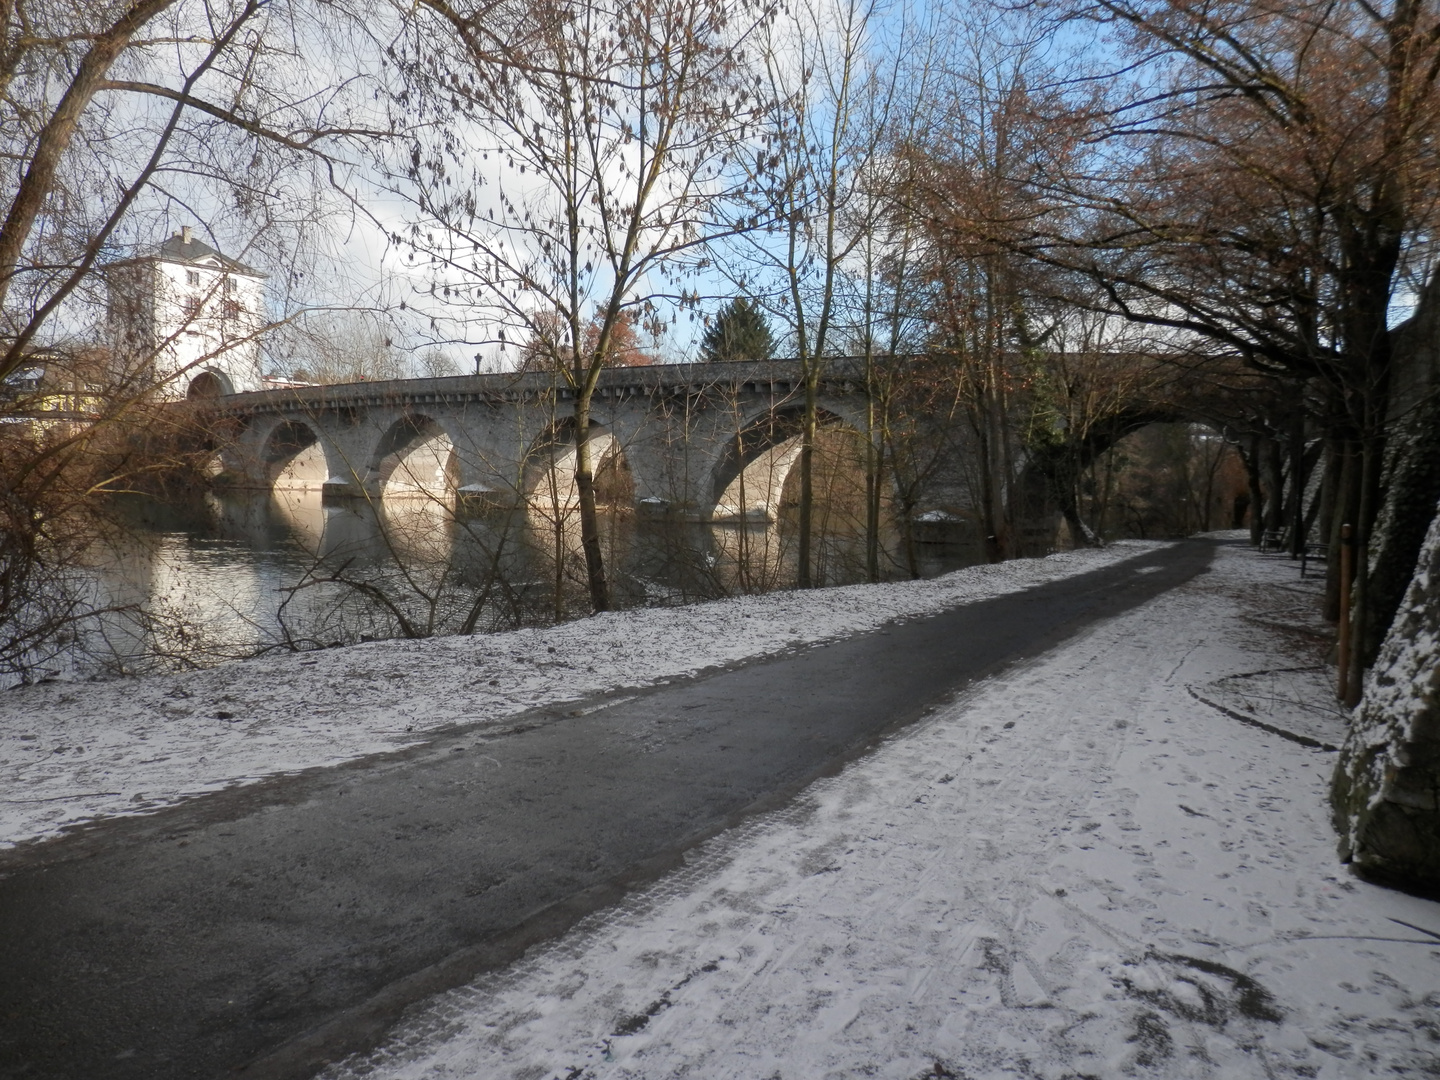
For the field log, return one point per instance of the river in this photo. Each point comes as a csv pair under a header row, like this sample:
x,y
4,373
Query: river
x,y
226,576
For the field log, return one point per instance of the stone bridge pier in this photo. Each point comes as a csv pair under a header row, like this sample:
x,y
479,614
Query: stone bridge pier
x,y
703,441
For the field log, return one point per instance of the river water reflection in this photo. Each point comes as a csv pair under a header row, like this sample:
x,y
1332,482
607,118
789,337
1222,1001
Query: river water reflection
x,y
229,575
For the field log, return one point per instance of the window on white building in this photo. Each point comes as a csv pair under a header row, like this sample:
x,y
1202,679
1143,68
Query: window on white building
x,y
192,277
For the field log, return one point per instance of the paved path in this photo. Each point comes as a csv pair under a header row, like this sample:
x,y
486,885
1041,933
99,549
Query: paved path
x,y
263,930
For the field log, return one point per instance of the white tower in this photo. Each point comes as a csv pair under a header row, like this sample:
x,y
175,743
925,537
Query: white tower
x,y
189,318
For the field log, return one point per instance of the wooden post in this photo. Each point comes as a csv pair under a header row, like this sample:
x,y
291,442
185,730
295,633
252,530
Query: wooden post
x,y
1347,556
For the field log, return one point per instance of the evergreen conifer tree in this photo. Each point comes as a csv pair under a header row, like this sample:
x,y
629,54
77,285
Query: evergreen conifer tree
x,y
738,332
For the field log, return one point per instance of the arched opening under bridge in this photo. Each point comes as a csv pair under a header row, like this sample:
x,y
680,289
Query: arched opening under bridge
x,y
1165,479
757,475
415,473
208,385
551,466
757,491
294,458
552,509
414,458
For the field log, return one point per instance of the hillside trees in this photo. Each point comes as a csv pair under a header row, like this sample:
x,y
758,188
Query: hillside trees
x,y
576,185
337,347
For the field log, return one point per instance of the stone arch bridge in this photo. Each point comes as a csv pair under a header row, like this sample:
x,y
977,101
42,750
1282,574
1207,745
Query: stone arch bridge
x,y
705,441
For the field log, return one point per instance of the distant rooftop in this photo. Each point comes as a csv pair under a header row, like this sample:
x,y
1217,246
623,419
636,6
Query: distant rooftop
x,y
184,247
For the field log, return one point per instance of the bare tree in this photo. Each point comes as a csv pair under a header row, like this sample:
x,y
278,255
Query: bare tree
x,y
890,304
1260,179
112,129
831,93
570,191
119,117
346,346
544,350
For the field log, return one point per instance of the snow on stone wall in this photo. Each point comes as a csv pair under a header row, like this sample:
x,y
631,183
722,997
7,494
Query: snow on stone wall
x,y
1386,789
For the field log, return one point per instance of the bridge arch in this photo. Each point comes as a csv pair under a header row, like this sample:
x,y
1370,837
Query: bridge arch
x,y
293,457
208,385
413,456
749,478
551,464
1048,486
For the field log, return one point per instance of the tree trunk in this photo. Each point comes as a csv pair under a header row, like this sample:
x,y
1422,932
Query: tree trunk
x,y
1063,481
874,465
589,516
1273,479
1257,494
557,518
1295,512
989,497
1329,486
804,574
907,538
1342,513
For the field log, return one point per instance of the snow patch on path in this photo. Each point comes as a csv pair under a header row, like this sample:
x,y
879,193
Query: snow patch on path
x,y
74,752
1077,869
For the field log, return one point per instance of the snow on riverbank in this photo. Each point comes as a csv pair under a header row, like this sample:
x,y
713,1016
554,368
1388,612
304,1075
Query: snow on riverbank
x,y
73,752
1078,868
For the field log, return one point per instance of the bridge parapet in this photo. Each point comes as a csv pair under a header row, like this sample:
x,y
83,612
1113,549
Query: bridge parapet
x,y
844,373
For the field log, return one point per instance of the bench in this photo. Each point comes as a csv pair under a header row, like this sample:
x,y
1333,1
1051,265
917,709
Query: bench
x,y
1319,552
1274,540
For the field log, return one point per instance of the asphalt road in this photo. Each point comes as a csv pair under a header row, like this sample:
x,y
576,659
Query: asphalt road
x,y
262,931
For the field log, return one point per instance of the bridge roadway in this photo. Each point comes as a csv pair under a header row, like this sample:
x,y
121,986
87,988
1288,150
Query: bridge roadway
x,y
262,931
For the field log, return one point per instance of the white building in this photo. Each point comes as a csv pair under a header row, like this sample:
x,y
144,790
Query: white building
x,y
189,319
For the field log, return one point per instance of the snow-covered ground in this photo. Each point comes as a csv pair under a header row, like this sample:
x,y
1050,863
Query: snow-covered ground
x,y
74,752
1085,866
